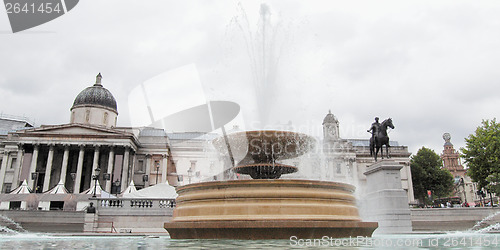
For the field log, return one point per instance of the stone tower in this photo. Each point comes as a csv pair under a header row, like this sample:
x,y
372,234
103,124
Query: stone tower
x,y
451,158
330,127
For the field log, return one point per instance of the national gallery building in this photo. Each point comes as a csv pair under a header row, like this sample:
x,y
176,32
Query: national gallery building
x,y
92,149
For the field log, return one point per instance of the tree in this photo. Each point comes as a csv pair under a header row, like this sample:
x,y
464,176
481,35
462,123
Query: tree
x,y
493,183
427,174
482,152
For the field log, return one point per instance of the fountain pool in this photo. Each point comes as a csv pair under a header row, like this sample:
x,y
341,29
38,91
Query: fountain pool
x,y
409,241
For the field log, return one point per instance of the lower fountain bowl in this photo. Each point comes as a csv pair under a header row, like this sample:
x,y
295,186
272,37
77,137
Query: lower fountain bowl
x,y
266,209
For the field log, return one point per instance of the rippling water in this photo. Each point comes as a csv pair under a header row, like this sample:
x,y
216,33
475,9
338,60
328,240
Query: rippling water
x,y
410,241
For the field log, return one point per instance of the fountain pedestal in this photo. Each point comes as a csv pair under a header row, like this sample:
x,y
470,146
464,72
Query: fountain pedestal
x,y
267,209
386,202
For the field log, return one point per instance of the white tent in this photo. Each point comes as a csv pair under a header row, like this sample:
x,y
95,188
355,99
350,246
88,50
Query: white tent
x,y
130,189
23,189
159,191
59,189
98,191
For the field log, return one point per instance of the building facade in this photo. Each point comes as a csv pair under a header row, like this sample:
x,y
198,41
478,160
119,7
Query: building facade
x,y
71,153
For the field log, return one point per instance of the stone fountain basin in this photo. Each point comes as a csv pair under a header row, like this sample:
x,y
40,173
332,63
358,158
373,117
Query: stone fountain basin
x,y
266,209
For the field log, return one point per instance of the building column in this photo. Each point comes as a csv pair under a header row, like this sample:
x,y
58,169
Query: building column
x,y
125,167
164,162
48,168
17,168
34,159
64,168
111,166
3,168
79,168
132,168
148,170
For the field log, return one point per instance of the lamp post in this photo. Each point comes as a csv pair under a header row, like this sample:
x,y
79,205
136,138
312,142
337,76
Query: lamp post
x,y
73,177
157,169
95,177
190,174
463,188
34,176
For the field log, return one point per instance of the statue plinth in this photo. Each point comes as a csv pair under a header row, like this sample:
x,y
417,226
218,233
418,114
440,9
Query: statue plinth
x,y
386,202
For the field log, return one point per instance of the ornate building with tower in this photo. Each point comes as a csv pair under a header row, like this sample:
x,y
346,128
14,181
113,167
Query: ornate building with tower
x,y
464,187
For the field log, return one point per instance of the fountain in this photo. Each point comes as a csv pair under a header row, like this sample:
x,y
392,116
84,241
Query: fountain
x,y
266,207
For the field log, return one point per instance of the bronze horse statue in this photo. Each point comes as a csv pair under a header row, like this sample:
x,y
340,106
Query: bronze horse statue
x,y
381,139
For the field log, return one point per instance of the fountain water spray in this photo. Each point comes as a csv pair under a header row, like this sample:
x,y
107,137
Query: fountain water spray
x,y
10,226
481,223
264,49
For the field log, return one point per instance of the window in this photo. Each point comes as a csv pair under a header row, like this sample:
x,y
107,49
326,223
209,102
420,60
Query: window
x,y
87,115
6,188
56,205
193,165
13,163
105,118
140,166
338,168
15,205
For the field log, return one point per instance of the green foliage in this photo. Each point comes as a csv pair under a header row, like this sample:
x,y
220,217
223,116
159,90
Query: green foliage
x,y
427,174
482,152
493,183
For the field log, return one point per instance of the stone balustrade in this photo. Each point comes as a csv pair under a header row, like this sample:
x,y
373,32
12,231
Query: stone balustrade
x,y
134,204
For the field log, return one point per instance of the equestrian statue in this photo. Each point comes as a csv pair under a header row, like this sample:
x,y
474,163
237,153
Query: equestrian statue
x,y
379,137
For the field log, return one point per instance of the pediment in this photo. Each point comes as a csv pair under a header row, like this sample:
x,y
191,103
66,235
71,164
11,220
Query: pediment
x,y
73,129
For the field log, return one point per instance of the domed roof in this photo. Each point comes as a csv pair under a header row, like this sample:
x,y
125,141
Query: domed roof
x,y
330,118
96,95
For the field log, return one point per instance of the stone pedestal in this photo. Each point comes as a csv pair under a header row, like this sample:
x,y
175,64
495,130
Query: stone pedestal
x,y
386,202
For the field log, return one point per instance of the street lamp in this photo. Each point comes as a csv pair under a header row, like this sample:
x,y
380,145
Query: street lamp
x,y
157,168
190,174
73,177
95,177
34,176
463,187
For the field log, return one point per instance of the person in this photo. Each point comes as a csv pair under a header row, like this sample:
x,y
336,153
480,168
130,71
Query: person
x,y
91,208
374,128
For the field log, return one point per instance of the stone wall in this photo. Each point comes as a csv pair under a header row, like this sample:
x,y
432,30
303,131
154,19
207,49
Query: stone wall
x,y
45,221
451,219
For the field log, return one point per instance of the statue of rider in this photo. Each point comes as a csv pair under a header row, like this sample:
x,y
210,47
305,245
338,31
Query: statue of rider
x,y
375,128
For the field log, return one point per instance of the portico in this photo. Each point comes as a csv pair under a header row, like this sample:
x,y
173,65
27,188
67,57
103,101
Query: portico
x,y
46,162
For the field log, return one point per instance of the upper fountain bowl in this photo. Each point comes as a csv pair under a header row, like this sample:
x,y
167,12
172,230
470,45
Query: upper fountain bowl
x,y
262,149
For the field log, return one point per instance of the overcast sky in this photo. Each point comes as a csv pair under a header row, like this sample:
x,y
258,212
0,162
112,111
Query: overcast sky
x,y
432,67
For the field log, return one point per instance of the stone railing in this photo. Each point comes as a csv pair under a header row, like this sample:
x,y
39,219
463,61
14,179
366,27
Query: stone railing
x,y
114,203
134,206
